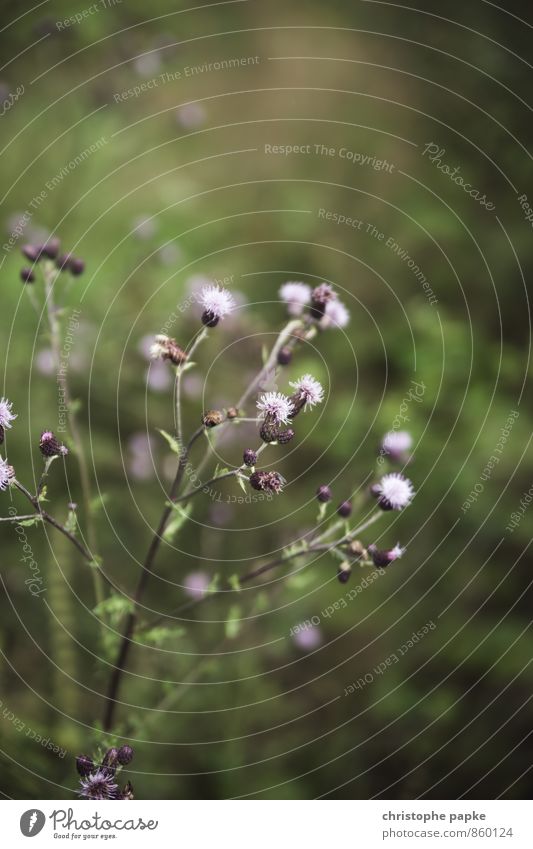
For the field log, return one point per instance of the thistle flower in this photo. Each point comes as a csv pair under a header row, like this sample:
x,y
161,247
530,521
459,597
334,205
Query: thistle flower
x,y
99,785
296,296
217,303
394,492
31,252
7,473
27,275
212,418
50,446
336,316
165,348
125,755
275,406
267,481
320,297
383,558
6,414
396,443
285,436
345,509
84,765
323,494
249,457
308,393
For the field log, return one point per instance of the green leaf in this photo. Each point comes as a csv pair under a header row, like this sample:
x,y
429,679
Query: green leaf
x,y
181,514
157,636
241,479
172,441
114,608
27,523
42,494
214,583
97,503
235,583
233,622
321,512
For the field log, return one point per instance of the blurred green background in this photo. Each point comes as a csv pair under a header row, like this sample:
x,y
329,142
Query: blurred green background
x,y
179,188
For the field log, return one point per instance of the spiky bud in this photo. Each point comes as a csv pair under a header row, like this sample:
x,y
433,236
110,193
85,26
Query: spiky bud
x,y
345,509
51,248
111,757
31,252
63,261
267,481
125,755
284,355
344,572
249,457
212,418
76,266
285,436
27,275
84,765
269,431
232,413
50,446
323,494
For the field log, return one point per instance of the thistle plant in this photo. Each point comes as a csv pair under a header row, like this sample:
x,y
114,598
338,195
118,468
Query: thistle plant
x,y
341,529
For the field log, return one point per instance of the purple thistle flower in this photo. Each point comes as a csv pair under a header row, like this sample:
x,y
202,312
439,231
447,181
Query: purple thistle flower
x,y
308,392
394,491
6,415
275,406
217,303
296,295
50,446
99,785
336,316
383,558
396,444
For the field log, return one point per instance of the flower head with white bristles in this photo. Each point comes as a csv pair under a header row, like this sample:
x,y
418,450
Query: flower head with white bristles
x,y
394,492
307,392
217,303
296,296
7,473
99,785
336,316
275,406
383,557
6,414
396,444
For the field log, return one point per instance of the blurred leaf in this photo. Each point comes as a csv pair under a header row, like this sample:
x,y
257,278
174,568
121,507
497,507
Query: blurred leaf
x,y
233,622
181,514
172,441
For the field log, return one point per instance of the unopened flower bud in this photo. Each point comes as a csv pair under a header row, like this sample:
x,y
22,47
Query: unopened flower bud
x,y
63,261
323,494
357,549
31,252
27,275
344,572
249,457
232,413
51,248
267,481
269,431
76,266
110,757
285,436
284,355
345,509
84,765
212,418
125,755
50,445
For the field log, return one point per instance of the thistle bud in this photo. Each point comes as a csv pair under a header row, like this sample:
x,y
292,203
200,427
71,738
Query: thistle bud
x,y
383,558
284,355
76,266
31,252
320,297
212,418
110,757
27,275
165,348
285,436
51,248
63,261
269,431
357,550
267,482
50,445
344,572
84,765
125,755
344,510
323,494
232,413
249,457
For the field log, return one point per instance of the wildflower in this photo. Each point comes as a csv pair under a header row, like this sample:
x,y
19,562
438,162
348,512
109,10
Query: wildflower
x,y
307,637
27,275
285,436
323,494
125,755
296,296
394,492
217,303
50,445
344,571
396,443
84,765
99,785
284,355
383,558
165,348
335,316
345,509
212,418
275,406
6,414
308,393
267,482
249,457
7,473
320,297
